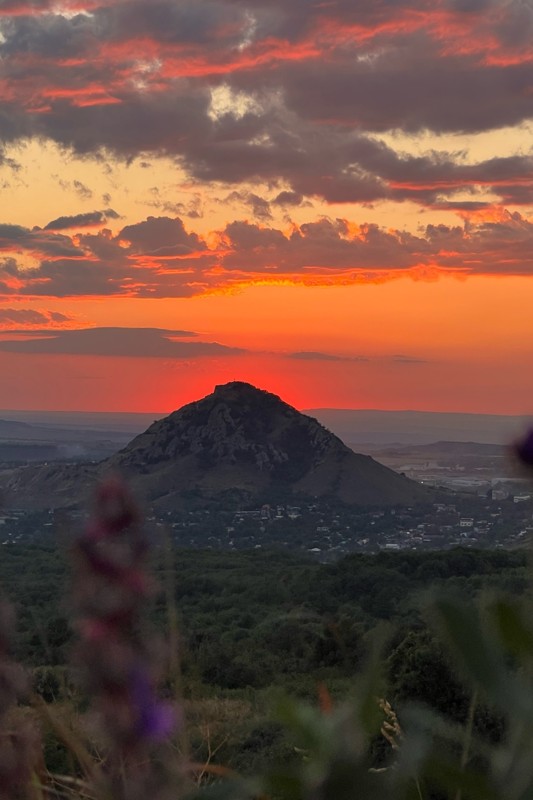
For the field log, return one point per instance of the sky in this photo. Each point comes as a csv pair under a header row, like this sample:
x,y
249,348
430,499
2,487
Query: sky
x,y
331,199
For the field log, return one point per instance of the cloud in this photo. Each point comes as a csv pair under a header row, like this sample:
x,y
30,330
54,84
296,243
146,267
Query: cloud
x,y
258,205
325,246
403,359
153,258
89,220
289,199
160,235
10,163
38,241
307,87
139,342
311,355
497,244
78,187
23,7
159,257
31,318
123,342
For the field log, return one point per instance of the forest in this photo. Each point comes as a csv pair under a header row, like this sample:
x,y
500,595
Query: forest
x,y
262,649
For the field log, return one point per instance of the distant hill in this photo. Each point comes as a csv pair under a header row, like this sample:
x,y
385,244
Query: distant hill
x,y
450,449
26,442
238,442
10,429
358,427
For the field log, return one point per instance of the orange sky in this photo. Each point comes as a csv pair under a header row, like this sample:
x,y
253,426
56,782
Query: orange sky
x,y
332,201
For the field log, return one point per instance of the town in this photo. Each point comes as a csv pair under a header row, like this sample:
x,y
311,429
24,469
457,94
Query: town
x,y
325,531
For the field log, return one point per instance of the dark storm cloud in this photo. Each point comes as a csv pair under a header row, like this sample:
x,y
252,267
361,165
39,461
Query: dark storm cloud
x,y
128,342
135,77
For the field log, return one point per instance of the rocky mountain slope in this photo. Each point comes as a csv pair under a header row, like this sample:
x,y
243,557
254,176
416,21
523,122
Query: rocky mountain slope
x,y
238,443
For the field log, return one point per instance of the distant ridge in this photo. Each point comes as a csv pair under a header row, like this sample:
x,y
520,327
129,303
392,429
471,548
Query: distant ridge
x,y
353,426
239,442
370,426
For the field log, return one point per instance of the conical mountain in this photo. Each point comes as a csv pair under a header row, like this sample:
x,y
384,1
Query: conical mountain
x,y
237,445
243,442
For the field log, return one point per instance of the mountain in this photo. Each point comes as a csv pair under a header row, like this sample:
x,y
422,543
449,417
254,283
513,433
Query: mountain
x,y
363,427
13,430
240,444
452,449
24,442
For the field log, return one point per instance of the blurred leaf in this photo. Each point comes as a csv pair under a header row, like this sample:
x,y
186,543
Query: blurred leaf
x,y
370,687
449,777
284,784
310,727
512,628
225,790
476,651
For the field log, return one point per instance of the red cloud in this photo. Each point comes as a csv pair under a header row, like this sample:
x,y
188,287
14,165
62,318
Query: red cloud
x,y
159,258
29,318
321,79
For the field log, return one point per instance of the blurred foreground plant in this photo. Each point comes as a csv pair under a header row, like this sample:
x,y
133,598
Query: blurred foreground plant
x,y
430,758
119,660
19,739
334,747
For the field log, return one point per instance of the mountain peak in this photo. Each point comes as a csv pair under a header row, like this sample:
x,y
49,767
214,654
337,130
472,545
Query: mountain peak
x,y
235,386
239,444
246,440
234,390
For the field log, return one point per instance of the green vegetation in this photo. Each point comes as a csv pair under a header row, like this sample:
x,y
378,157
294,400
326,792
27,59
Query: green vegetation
x,y
284,615
283,664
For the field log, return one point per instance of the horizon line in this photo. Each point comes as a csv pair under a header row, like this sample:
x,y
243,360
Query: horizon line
x,y
302,410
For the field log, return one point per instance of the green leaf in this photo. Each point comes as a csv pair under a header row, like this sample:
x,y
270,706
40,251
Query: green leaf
x,y
475,650
449,776
512,628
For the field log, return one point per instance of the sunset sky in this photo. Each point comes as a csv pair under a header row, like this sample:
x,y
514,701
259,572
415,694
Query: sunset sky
x,y
331,199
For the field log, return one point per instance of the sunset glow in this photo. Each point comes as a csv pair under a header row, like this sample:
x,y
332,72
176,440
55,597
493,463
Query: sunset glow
x,y
333,201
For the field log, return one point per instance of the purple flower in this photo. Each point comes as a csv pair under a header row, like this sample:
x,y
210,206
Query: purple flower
x,y
112,587
524,449
155,720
